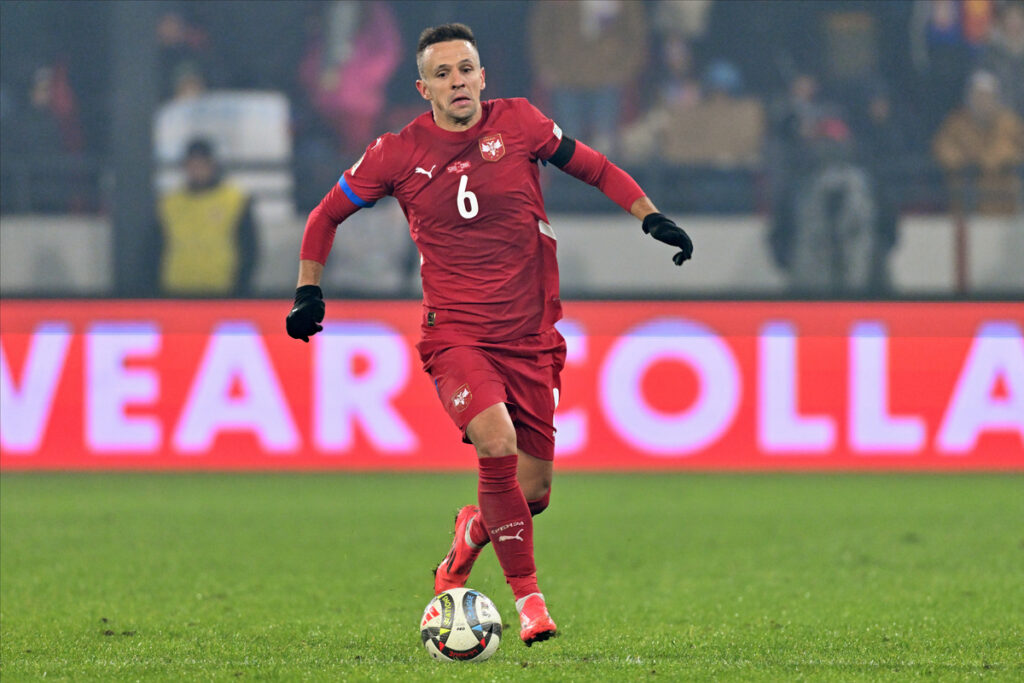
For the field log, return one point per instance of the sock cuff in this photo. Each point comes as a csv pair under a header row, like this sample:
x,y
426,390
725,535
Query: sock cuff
x,y
521,601
499,474
503,462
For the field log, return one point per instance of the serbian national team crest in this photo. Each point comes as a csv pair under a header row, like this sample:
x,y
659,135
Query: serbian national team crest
x,y
461,398
492,148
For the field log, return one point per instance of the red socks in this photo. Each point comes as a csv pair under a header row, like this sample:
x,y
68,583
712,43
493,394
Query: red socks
x,y
508,522
478,530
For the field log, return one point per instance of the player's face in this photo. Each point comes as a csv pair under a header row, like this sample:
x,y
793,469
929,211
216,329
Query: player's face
x,y
451,80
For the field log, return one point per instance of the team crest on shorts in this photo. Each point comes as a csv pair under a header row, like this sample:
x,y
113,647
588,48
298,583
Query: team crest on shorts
x,y
491,147
461,398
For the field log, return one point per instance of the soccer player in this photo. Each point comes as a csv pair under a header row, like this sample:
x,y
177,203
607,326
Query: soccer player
x,y
466,175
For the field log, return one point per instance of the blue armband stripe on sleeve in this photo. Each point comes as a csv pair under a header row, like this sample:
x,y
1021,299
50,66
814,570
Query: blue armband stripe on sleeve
x,y
353,197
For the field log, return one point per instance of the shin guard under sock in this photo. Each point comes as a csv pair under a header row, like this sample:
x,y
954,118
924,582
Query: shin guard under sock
x,y
478,530
508,522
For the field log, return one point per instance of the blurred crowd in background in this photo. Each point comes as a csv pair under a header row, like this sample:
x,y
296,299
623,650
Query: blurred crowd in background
x,y
715,106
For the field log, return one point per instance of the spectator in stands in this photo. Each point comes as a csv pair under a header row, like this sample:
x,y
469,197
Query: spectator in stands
x,y
833,232
945,37
184,56
355,51
586,54
207,239
36,128
52,107
794,118
676,87
1003,55
981,146
725,129
679,86
42,129
829,231
882,143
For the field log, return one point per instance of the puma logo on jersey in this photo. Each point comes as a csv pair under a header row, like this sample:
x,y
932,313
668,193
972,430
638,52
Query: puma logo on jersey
x,y
517,537
429,174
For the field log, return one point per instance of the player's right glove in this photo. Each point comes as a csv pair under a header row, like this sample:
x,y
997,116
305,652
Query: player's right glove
x,y
661,228
306,315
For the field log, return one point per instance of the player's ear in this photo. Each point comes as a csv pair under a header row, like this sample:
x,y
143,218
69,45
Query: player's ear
x,y
483,79
422,88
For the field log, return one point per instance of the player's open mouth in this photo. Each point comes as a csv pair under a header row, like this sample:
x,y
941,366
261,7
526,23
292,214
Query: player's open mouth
x,y
461,99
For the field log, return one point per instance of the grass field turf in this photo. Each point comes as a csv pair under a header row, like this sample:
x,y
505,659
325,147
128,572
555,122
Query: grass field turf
x,y
291,577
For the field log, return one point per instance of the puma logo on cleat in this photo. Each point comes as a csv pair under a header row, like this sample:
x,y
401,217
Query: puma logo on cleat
x,y
429,174
517,537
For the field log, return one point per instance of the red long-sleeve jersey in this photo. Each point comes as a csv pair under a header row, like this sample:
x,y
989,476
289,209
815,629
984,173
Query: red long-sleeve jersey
x,y
476,213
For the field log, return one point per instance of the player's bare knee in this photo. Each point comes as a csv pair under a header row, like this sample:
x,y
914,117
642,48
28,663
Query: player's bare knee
x,y
495,445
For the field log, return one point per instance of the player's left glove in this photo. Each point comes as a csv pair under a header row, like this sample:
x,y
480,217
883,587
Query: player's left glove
x,y
661,228
307,313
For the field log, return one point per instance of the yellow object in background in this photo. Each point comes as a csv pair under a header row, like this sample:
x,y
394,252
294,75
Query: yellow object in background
x,y
201,240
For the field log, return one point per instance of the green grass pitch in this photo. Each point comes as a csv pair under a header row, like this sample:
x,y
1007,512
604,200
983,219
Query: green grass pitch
x,y
670,577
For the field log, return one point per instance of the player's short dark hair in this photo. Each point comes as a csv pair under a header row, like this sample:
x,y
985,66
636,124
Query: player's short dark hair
x,y
441,34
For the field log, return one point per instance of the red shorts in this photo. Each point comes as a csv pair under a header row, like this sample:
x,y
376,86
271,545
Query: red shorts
x,y
523,374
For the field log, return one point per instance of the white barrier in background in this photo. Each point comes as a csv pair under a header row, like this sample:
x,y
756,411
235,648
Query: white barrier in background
x,y
244,125
602,253
55,255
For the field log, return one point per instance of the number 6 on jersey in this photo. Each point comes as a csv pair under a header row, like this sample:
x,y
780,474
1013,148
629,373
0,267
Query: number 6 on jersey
x,y
466,200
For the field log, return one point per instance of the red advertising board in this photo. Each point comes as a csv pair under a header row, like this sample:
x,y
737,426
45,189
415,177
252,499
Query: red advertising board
x,y
648,386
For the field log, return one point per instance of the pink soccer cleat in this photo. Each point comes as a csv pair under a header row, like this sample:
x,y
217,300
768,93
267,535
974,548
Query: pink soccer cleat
x,y
534,619
453,572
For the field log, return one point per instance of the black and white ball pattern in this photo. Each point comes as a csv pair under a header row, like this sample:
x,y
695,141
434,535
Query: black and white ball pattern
x,y
461,625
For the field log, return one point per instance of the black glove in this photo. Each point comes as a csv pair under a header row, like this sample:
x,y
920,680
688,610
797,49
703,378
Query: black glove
x,y
664,230
304,319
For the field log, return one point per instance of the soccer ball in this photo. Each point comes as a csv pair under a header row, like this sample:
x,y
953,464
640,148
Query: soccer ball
x,y
461,625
